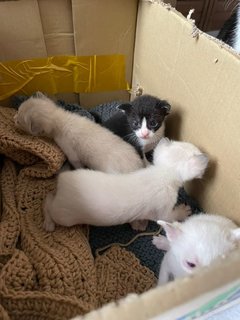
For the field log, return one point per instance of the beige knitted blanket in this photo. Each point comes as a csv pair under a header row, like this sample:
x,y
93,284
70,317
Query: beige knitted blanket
x,y
50,275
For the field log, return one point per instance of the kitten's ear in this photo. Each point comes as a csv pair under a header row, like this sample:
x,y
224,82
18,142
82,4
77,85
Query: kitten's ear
x,y
172,230
164,107
126,107
236,235
40,95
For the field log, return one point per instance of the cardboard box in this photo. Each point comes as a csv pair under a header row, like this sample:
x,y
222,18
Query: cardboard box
x,y
165,56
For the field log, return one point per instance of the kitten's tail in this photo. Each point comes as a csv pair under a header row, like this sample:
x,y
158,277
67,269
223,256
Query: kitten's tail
x,y
48,224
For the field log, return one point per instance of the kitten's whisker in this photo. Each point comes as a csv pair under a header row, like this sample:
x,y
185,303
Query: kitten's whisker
x,y
234,8
129,135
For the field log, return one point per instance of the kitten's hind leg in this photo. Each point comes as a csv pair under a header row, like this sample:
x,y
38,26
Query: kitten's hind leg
x,y
75,163
48,224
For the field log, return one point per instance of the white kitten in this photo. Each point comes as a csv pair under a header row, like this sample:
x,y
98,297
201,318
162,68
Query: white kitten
x,y
101,199
195,243
84,142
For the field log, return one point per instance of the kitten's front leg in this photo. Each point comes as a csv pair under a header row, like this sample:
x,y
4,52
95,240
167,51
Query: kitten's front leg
x,y
161,242
164,272
146,162
179,213
139,225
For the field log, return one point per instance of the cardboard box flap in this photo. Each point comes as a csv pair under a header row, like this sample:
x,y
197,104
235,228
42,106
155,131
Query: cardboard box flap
x,y
200,78
105,27
67,27
17,17
160,299
57,25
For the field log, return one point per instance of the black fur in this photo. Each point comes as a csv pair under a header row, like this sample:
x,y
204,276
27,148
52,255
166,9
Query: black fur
x,y
119,125
130,115
227,32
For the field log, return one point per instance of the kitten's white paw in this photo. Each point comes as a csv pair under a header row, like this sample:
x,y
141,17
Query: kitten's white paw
x,y
181,212
139,225
161,242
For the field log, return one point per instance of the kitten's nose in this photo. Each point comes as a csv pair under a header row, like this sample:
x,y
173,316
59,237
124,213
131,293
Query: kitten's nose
x,y
145,133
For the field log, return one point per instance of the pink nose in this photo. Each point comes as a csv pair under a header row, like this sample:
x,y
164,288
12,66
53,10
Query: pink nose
x,y
145,133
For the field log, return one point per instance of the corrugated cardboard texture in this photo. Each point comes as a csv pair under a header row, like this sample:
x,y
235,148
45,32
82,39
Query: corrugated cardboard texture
x,y
21,33
201,80
65,27
105,27
57,25
160,299
49,31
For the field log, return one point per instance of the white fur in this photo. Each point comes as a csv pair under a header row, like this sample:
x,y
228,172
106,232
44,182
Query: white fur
x,y
101,199
153,138
200,239
236,44
84,142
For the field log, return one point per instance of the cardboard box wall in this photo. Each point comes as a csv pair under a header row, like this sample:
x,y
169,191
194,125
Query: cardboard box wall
x,y
196,74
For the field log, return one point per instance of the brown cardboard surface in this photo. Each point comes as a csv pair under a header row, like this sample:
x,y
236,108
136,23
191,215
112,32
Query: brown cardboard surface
x,y
49,32
160,299
17,17
105,32
57,25
200,79
197,75
67,27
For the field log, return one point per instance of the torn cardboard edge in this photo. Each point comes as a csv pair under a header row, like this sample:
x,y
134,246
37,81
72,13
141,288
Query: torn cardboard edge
x,y
196,32
137,88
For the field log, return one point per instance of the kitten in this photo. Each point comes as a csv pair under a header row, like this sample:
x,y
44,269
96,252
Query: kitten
x,y
101,199
195,243
85,143
141,122
230,32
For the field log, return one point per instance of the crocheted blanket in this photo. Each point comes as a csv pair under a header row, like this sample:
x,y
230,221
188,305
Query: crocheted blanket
x,y
50,275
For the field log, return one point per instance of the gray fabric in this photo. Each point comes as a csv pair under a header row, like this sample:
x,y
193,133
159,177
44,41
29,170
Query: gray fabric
x,y
105,111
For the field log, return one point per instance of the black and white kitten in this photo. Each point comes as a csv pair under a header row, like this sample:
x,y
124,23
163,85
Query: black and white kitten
x,y
140,122
230,32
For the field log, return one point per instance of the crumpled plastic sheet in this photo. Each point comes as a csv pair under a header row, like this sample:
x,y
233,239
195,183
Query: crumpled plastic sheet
x,y
63,74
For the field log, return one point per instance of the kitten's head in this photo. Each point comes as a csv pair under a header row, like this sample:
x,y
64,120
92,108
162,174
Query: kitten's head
x,y
182,157
32,115
200,240
146,115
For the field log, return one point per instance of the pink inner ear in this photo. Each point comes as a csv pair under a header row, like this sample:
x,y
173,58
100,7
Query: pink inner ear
x,y
172,230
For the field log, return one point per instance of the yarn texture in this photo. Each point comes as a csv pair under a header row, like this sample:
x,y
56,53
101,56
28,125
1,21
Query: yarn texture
x,y
50,275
